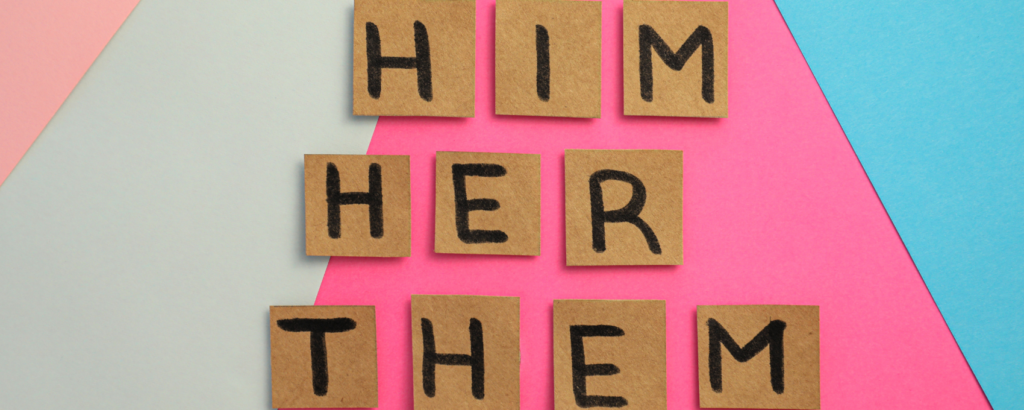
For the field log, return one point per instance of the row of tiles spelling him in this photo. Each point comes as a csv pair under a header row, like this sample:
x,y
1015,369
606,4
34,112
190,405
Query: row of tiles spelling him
x,y
418,57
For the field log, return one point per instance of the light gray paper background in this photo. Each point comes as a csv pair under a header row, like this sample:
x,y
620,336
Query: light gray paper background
x,y
160,213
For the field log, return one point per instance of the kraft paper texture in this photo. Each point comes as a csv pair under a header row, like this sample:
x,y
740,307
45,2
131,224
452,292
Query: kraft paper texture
x,y
355,234
351,359
676,93
749,384
661,175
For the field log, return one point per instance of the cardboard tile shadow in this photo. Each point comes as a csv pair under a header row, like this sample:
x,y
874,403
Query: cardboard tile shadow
x,y
758,356
414,57
487,203
609,353
623,207
323,356
548,58
357,205
662,80
465,352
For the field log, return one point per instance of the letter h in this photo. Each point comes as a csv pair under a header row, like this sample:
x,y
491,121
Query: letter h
x,y
375,62
335,199
475,359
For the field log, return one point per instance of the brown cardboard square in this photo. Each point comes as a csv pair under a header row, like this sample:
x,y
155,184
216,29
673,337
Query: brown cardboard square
x,y
323,356
698,89
481,334
547,58
619,354
358,229
775,375
415,37
657,239
513,180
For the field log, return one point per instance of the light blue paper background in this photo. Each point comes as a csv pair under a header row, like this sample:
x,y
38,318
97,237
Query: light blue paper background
x,y
931,96
160,213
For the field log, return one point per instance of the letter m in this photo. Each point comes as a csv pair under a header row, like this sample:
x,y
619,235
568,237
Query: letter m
x,y
701,37
770,336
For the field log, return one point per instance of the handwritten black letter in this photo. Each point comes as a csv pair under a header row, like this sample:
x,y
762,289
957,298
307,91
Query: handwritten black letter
x,y
375,62
701,37
629,213
335,199
770,336
318,329
580,368
475,359
543,64
463,205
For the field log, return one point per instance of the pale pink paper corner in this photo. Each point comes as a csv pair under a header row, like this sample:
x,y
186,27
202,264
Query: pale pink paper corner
x,y
47,46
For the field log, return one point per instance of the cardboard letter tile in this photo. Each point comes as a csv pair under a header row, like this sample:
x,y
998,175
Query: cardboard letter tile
x,y
487,203
676,58
609,353
367,211
323,356
623,207
414,57
548,58
758,357
465,352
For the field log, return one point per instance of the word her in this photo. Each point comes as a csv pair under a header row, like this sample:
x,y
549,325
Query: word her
x,y
607,354
489,203
547,58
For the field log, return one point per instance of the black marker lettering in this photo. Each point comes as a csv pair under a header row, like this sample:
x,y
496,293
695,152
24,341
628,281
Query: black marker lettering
x,y
318,329
335,199
543,64
701,37
375,62
580,368
629,213
770,336
475,359
463,206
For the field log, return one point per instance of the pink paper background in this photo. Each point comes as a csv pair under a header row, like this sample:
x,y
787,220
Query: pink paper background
x,y
46,47
777,210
